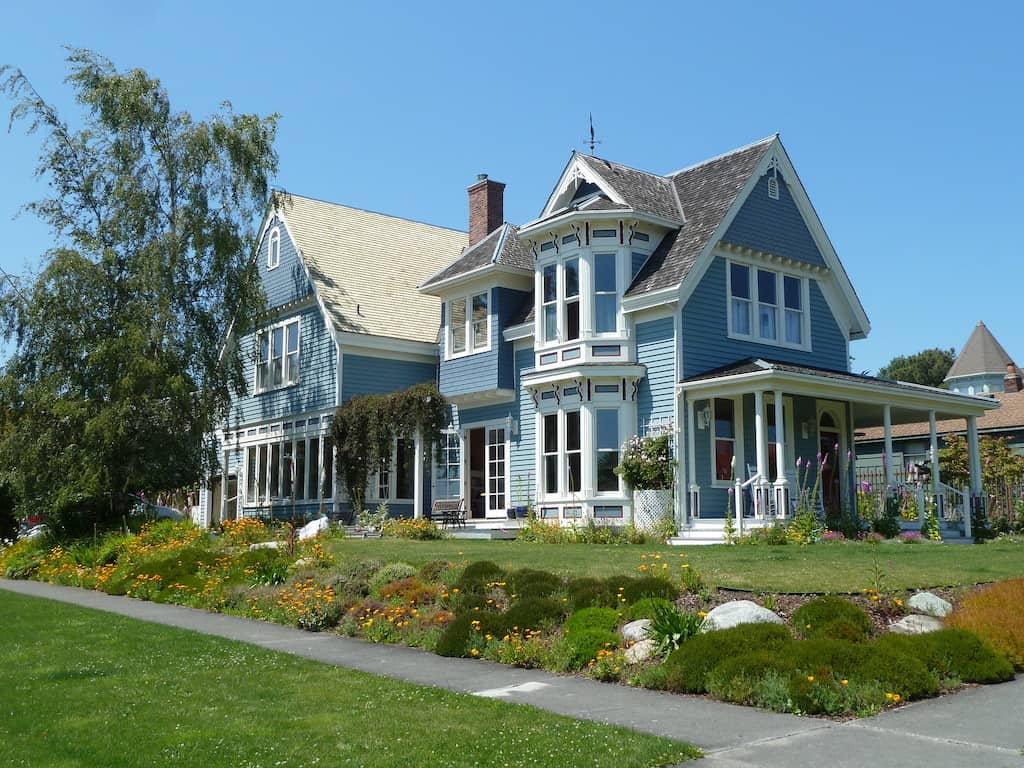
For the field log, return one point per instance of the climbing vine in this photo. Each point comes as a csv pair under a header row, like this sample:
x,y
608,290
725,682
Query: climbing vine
x,y
365,428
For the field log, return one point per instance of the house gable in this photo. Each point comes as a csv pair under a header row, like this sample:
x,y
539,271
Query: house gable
x,y
287,281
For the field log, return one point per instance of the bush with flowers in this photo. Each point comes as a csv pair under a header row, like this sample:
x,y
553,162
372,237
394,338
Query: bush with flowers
x,y
647,463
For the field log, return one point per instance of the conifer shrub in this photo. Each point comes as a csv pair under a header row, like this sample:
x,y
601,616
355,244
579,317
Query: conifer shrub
x,y
898,672
739,679
455,640
478,575
689,665
389,573
432,571
832,617
645,608
533,583
824,657
583,646
587,592
953,654
635,590
606,619
533,613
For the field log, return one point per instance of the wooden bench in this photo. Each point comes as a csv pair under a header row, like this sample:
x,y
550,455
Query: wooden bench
x,y
448,512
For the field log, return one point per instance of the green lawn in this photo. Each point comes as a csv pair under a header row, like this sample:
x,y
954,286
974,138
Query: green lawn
x,y
789,568
81,688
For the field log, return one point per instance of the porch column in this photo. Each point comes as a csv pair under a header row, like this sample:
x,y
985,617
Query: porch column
x,y
781,482
693,499
761,445
223,489
933,450
417,494
890,477
974,462
682,478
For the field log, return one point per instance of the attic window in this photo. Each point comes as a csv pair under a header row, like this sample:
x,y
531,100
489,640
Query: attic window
x,y
274,248
773,182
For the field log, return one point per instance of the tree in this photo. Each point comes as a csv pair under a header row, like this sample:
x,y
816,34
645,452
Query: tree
x,y
120,365
1002,470
928,367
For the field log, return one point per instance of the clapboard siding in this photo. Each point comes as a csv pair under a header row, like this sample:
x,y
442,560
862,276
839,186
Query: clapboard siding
x,y
287,282
773,226
706,345
365,375
315,389
655,349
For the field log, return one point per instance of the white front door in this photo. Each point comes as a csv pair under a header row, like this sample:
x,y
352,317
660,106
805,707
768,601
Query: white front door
x,y
497,462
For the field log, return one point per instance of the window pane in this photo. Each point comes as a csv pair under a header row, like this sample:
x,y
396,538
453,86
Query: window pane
x,y
313,469
572,320
575,483
605,310
480,321
604,272
551,433
300,469
723,460
458,324
766,286
551,322
607,480
572,431
262,470
275,471
740,279
405,484
551,474
607,429
791,288
277,355
766,321
287,471
572,277
293,337
550,282
724,418
794,327
741,316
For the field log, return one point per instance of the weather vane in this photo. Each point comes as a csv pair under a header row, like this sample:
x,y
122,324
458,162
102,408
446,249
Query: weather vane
x,y
592,142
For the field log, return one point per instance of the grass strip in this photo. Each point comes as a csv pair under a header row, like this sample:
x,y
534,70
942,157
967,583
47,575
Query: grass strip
x,y
82,688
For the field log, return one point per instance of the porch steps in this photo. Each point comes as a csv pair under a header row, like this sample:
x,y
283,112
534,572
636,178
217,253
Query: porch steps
x,y
709,531
357,532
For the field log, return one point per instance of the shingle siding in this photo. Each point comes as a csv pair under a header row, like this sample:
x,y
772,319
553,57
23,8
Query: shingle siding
x,y
365,375
287,282
706,344
655,343
773,226
317,369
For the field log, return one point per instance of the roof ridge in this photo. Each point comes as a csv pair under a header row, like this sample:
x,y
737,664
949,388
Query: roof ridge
x,y
368,210
723,155
627,167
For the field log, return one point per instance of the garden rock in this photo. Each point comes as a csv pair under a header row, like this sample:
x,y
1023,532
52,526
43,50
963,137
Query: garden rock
x,y
309,530
915,625
266,545
933,605
636,631
738,612
640,651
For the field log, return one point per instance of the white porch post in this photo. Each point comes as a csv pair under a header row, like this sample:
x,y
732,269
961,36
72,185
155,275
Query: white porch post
x,y
417,494
682,480
693,500
974,461
224,488
781,482
890,476
933,450
761,445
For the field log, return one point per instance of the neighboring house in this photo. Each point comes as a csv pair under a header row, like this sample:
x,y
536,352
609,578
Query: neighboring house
x,y
706,303
982,367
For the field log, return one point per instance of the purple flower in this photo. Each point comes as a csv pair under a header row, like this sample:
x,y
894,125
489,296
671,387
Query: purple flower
x,y
799,461
865,487
731,491
818,456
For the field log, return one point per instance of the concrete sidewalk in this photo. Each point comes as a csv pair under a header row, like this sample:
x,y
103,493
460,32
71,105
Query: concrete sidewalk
x,y
982,726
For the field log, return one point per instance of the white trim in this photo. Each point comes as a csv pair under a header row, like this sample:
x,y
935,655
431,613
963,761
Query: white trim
x,y
531,228
387,344
486,426
536,378
576,169
286,374
275,234
663,296
469,344
518,332
738,448
482,273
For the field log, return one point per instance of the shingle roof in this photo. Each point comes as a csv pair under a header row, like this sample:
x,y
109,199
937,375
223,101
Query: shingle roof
x,y
483,253
641,191
706,192
1008,416
981,354
366,266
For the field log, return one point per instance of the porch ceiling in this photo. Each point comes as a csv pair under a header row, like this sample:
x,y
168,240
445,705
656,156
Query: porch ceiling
x,y
908,402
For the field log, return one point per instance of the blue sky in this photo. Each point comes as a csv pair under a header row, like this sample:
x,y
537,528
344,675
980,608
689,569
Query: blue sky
x,y
903,119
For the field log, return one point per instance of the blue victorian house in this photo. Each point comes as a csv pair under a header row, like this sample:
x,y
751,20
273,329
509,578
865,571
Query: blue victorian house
x,y
707,304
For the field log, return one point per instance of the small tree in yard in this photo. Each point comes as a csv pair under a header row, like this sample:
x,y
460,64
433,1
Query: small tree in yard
x,y
120,366
1002,471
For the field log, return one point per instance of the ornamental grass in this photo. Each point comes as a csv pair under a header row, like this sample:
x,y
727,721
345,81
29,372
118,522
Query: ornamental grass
x,y
994,613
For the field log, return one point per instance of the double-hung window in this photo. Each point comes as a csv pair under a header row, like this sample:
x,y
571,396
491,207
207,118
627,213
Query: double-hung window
x,y
572,299
470,324
549,280
606,296
767,306
562,454
607,449
448,472
277,361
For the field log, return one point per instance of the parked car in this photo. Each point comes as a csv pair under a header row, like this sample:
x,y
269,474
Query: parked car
x,y
143,507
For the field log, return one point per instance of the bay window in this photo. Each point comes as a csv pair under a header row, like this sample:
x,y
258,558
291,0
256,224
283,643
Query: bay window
x,y
767,306
277,356
607,448
549,280
469,324
573,453
606,297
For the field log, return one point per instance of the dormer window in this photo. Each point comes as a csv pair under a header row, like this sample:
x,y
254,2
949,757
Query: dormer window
x,y
469,325
274,249
767,306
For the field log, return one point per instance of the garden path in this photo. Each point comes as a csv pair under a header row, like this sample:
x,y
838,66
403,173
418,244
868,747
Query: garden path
x,y
983,726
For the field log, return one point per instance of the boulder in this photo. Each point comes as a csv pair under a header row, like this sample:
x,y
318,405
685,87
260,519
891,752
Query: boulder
x,y
635,631
915,625
738,612
314,528
639,651
933,605
266,545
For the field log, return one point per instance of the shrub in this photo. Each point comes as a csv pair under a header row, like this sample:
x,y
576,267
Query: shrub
x,y
587,592
22,559
435,570
825,694
478,575
582,646
455,640
410,528
671,627
389,573
647,462
898,672
649,586
689,665
738,679
832,617
606,619
353,578
994,615
409,591
650,676
774,534
644,608
826,656
533,613
532,583
244,531
952,654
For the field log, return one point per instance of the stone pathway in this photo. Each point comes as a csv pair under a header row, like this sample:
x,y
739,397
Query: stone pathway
x,y
979,727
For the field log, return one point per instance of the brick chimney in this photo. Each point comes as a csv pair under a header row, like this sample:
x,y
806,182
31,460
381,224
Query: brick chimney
x,y
486,208
1012,379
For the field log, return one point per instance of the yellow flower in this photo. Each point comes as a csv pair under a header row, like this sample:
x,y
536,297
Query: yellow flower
x,y
702,614
810,678
475,652
844,682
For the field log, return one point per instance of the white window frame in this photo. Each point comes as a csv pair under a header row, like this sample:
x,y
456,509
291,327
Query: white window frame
x,y
754,304
376,484
261,452
562,453
471,347
616,254
274,249
597,450
737,442
290,370
451,443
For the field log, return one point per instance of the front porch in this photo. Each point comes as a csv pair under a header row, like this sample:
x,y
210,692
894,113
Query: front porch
x,y
764,440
